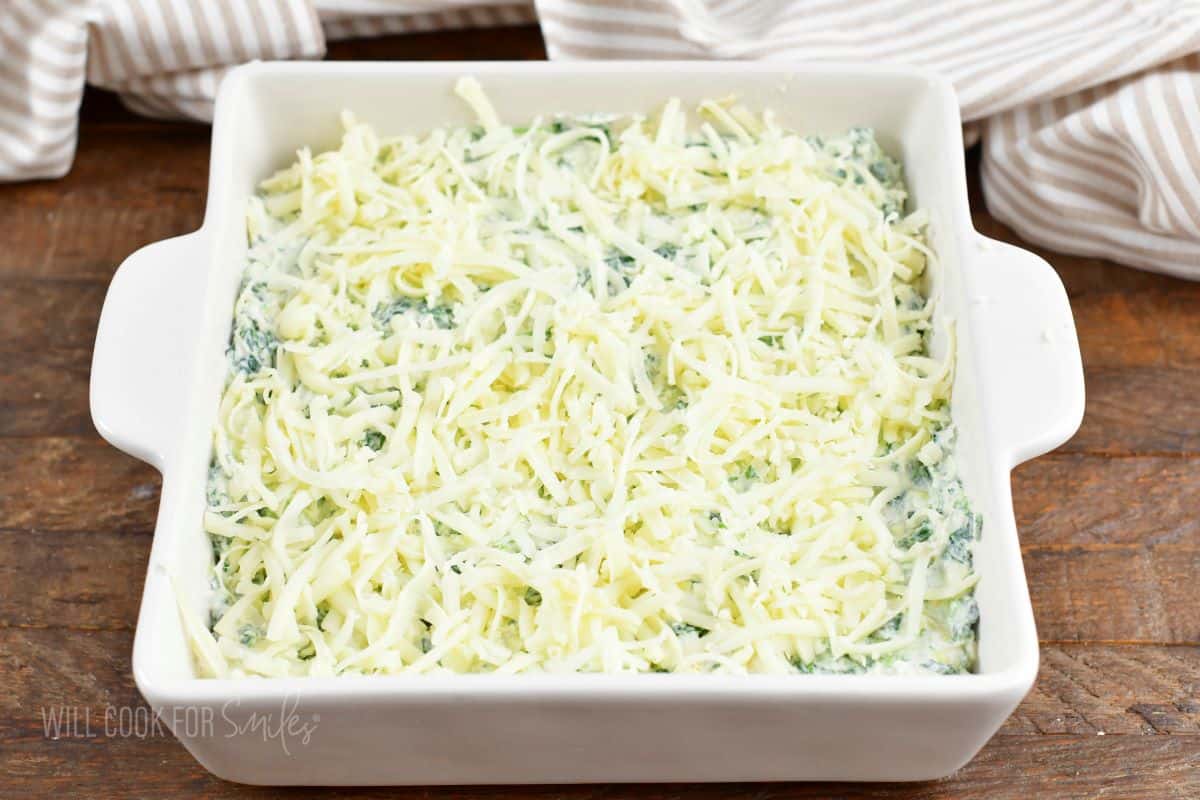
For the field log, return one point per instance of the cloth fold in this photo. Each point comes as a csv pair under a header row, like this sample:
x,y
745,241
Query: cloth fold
x,y
1088,110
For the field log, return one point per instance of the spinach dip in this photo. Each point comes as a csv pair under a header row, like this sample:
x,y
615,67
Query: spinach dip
x,y
588,394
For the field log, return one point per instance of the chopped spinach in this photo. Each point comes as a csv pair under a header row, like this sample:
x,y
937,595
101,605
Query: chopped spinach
x,y
219,545
889,629
687,629
374,440
251,348
958,547
802,666
964,618
918,473
743,476
621,268
825,665
921,534
441,316
215,494
651,361
249,635
323,508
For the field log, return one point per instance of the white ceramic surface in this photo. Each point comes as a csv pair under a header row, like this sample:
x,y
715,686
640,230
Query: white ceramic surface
x,y
158,370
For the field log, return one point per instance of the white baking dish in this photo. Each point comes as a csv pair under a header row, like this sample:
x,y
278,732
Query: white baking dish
x,y
158,370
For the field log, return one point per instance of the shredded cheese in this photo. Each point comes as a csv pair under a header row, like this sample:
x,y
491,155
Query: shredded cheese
x,y
591,394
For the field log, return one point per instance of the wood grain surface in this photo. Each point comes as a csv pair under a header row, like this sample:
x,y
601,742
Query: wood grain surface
x,y
1110,523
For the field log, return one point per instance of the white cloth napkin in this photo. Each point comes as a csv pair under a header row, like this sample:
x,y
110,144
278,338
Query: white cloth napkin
x,y
1089,110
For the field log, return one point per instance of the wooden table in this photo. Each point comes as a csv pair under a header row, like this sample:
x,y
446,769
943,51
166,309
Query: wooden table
x,y
1110,523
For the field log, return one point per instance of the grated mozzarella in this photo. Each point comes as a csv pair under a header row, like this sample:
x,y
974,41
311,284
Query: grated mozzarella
x,y
593,394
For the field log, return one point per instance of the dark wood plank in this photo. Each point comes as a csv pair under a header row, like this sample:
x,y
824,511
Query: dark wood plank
x,y
54,668
40,315
126,188
1119,593
85,581
1151,325
70,484
1009,768
44,391
1114,689
1139,410
1073,499
88,238
517,43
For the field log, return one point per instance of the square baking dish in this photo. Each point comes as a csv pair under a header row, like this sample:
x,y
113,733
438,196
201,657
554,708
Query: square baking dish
x,y
159,367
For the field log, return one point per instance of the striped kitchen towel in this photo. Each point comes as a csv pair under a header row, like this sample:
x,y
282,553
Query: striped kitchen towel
x,y
1088,110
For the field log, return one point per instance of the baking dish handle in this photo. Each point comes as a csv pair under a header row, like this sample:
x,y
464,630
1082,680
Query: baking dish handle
x,y
1032,370
143,361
